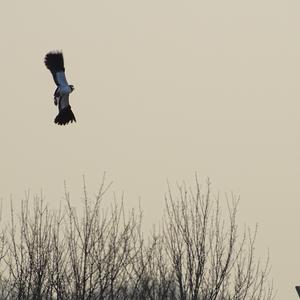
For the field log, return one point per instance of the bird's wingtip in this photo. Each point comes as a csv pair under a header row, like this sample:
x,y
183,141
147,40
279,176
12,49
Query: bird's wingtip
x,y
54,61
65,116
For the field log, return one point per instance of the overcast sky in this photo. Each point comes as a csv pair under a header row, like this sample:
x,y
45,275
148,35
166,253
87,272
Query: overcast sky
x,y
163,89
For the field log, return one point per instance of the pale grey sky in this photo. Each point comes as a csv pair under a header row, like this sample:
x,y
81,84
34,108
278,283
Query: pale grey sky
x,y
162,89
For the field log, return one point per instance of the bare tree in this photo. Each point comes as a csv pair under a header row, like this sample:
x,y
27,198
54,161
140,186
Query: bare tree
x,y
208,259
100,246
29,251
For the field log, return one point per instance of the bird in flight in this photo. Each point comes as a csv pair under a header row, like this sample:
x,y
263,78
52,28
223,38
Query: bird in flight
x,y
54,61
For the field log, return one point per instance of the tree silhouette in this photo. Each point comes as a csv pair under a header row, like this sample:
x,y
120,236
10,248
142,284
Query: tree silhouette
x,y
100,252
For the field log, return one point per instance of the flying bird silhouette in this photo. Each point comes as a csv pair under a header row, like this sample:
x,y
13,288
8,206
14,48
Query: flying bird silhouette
x,y
54,61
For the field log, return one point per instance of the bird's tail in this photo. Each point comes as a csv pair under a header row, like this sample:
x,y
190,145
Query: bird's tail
x,y
54,61
65,116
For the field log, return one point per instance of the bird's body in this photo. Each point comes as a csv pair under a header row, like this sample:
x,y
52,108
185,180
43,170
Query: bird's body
x,y
54,61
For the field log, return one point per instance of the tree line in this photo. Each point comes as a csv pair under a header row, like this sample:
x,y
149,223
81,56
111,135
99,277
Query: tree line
x,y
102,252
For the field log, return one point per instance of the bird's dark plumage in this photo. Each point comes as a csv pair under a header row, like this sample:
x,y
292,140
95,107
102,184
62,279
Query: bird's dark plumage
x,y
65,116
54,61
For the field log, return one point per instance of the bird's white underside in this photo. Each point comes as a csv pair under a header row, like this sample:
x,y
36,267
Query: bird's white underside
x,y
63,89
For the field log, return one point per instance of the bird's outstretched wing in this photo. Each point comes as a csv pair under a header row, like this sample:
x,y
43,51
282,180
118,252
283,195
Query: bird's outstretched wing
x,y
54,61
